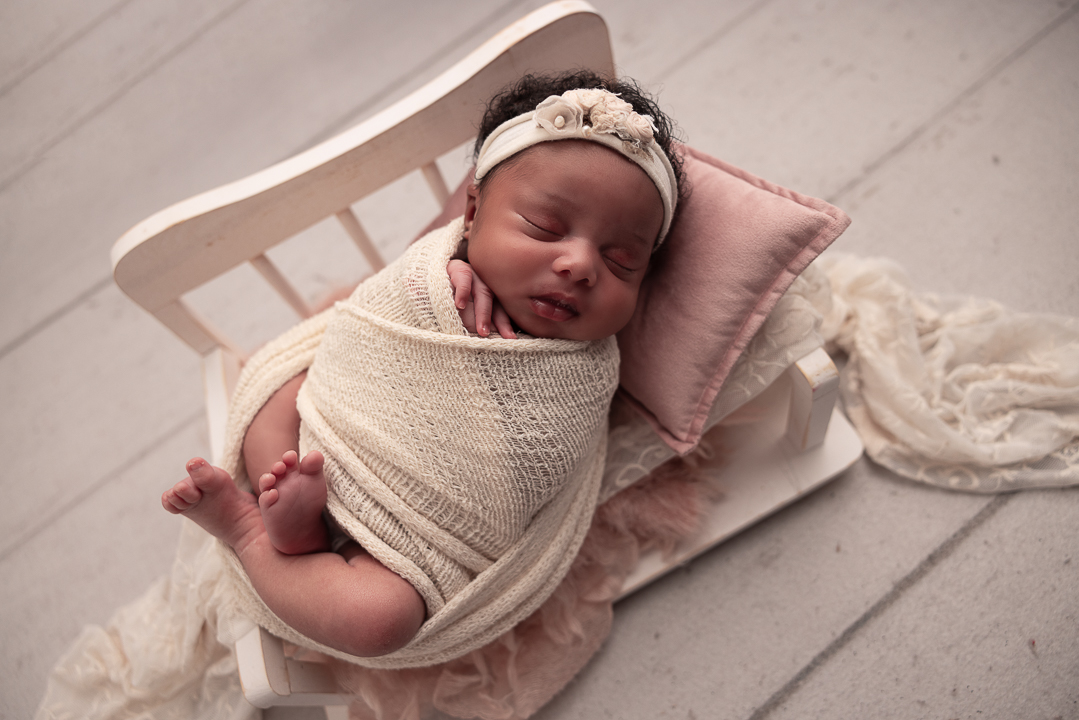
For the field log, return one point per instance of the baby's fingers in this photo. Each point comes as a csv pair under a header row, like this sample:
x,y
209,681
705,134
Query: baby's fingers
x,y
503,323
483,300
461,281
468,317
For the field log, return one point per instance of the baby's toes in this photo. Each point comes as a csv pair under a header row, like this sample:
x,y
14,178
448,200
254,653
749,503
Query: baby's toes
x,y
205,476
187,491
311,463
268,498
267,481
289,458
173,502
167,503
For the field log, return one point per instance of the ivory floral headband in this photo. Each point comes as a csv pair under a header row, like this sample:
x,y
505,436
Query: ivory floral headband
x,y
596,115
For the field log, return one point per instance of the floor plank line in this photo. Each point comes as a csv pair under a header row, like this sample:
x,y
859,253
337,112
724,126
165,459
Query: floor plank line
x,y
1007,61
45,521
943,551
81,119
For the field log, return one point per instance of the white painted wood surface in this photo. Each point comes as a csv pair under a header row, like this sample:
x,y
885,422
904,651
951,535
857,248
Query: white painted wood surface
x,y
814,390
271,679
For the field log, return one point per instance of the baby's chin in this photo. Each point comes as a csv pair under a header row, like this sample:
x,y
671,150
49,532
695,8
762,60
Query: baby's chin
x,y
562,333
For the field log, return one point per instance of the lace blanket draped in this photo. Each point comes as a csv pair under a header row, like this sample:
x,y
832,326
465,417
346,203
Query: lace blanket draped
x,y
960,393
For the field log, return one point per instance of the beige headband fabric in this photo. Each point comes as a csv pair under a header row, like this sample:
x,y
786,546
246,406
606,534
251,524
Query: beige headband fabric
x,y
596,115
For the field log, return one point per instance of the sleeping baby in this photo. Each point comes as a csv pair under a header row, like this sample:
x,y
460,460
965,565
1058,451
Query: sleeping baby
x,y
452,413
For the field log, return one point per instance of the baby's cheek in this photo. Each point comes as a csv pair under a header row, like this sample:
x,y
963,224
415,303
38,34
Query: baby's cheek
x,y
625,308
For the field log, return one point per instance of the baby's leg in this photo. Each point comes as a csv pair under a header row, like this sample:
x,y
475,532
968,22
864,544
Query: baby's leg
x,y
292,497
350,602
210,498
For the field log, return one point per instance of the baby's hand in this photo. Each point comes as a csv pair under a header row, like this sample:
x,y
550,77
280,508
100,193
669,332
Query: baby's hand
x,y
476,304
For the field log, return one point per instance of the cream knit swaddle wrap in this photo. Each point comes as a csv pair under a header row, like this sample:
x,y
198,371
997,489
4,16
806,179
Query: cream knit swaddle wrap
x,y
469,466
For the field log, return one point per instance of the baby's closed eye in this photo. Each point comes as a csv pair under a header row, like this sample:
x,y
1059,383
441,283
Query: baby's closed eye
x,y
628,260
547,227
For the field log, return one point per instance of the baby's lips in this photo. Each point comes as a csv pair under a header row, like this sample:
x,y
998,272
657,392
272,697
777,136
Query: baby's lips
x,y
553,308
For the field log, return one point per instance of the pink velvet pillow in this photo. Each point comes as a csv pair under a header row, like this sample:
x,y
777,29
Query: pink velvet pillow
x,y
737,245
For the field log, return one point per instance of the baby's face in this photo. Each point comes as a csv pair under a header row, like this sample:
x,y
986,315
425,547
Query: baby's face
x,y
562,235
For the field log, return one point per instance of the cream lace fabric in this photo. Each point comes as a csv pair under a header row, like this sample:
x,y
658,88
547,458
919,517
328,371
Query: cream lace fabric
x,y
959,393
166,656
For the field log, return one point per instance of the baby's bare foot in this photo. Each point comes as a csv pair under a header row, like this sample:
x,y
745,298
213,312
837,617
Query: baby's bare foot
x,y
292,498
210,498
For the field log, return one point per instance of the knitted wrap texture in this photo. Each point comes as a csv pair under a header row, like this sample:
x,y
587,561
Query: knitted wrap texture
x,y
469,466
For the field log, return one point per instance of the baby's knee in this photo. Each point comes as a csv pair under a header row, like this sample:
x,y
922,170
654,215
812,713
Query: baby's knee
x,y
390,613
402,613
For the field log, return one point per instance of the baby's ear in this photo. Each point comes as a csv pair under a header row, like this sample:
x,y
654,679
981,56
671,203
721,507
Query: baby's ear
x,y
472,195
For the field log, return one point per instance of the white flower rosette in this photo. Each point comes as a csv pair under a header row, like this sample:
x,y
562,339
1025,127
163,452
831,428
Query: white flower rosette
x,y
560,115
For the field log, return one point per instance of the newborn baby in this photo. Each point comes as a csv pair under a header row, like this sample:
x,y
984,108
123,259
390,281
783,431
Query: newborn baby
x,y
451,472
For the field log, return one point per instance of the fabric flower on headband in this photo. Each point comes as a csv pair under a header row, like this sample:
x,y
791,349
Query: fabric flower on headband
x,y
594,111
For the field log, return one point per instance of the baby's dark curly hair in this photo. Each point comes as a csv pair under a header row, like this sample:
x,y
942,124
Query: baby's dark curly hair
x,y
528,92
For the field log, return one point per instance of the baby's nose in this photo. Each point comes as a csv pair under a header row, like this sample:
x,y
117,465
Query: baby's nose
x,y
578,261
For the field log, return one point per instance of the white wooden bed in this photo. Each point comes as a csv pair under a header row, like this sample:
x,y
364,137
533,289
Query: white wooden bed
x,y
796,445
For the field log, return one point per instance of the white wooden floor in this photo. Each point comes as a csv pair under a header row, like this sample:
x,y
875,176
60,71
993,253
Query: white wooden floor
x,y
947,129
